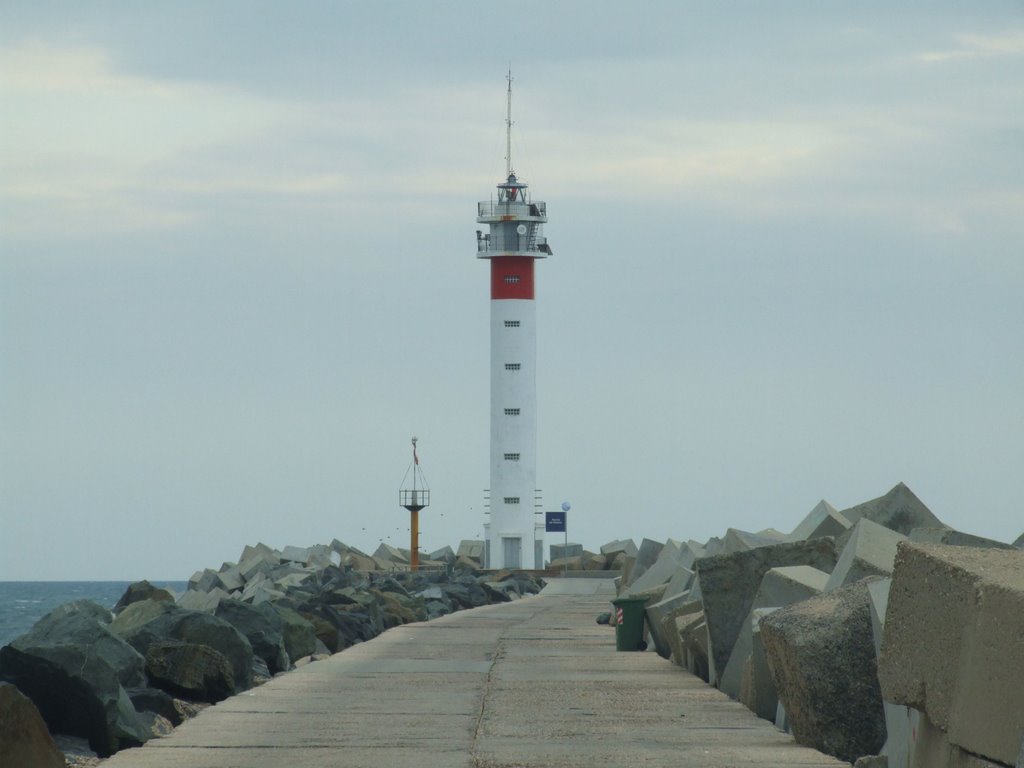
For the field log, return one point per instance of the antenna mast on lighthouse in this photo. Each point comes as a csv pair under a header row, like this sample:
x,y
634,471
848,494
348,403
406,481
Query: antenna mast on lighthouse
x,y
508,127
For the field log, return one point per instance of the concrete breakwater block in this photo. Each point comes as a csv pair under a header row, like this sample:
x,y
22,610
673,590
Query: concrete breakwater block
x,y
952,645
870,551
898,510
821,653
823,520
946,535
728,584
559,551
661,571
779,587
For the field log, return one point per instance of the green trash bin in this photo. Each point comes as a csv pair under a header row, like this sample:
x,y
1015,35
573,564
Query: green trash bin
x,y
629,623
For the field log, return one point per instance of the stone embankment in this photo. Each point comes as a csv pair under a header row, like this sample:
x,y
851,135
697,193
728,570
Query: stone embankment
x,y
119,678
876,634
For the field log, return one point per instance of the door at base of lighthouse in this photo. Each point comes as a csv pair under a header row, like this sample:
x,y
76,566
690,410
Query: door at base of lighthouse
x,y
512,549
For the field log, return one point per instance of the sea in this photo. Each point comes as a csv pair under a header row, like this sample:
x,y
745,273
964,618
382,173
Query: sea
x,y
23,603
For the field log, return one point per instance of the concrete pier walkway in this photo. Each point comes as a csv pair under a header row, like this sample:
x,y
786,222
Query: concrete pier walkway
x,y
531,683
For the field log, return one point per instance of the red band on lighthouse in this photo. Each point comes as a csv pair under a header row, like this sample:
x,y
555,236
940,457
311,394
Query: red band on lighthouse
x,y
512,277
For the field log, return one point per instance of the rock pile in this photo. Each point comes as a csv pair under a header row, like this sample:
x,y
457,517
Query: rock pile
x,y
120,678
875,634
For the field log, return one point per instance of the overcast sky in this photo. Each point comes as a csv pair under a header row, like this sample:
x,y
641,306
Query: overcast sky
x,y
238,268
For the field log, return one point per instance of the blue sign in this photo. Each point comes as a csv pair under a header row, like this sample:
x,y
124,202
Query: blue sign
x,y
554,522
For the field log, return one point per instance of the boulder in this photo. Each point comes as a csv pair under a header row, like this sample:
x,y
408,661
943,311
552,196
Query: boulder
x,y
261,626
141,590
159,702
952,644
147,622
1019,542
821,654
727,585
779,587
823,520
870,551
76,670
898,510
189,670
297,633
24,740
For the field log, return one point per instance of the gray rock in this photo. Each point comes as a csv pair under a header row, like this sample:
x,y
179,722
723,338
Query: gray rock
x,y
147,622
297,633
898,510
24,740
159,702
192,671
727,585
141,590
1019,543
821,654
75,670
261,626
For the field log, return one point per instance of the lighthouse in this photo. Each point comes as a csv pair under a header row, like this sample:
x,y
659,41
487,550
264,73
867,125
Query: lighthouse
x,y
513,243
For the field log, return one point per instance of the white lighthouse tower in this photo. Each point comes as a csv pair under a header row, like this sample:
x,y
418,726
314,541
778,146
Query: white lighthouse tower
x,y
513,243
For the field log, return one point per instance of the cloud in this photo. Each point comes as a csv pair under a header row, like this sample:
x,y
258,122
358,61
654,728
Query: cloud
x,y
973,47
83,142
